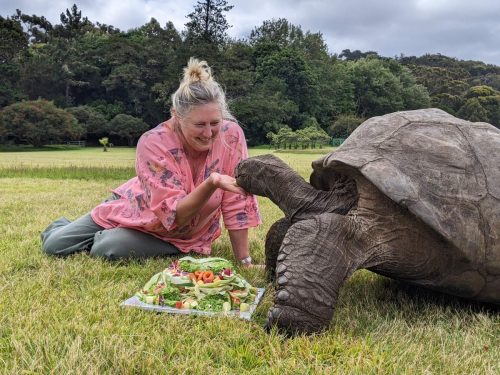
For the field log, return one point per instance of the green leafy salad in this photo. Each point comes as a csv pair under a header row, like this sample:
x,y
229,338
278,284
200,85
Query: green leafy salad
x,y
208,284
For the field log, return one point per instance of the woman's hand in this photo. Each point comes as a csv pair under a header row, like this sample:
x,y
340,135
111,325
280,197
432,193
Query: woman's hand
x,y
226,183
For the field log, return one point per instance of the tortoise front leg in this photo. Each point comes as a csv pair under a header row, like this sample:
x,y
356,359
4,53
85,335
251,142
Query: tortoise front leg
x,y
316,257
274,238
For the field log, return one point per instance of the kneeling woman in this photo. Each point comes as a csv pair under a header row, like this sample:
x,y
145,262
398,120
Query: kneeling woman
x,y
185,182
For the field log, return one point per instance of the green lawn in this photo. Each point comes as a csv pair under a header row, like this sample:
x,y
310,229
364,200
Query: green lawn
x,y
62,315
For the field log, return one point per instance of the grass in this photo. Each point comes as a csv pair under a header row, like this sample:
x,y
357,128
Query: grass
x,y
62,315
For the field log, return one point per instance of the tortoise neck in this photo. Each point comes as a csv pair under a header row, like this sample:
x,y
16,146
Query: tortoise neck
x,y
269,176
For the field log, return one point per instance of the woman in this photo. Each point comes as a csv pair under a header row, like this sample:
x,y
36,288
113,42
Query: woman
x,y
184,184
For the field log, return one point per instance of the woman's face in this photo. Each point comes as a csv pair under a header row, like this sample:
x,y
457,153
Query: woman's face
x,y
201,126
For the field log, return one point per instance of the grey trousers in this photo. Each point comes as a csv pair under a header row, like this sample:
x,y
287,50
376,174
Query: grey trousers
x,y
64,237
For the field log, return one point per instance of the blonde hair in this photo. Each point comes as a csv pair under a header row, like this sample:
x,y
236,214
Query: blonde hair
x,y
198,87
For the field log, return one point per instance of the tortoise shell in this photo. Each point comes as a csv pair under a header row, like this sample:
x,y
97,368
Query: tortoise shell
x,y
444,170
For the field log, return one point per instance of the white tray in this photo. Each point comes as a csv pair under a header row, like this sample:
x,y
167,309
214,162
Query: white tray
x,y
136,302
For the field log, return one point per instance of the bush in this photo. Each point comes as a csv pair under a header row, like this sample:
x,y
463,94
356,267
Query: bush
x,y
127,127
37,123
94,122
344,126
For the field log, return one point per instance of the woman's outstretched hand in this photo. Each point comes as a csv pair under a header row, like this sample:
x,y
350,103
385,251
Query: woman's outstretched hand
x,y
226,183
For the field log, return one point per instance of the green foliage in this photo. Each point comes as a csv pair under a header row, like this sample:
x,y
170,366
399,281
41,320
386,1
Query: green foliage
x,y
105,143
472,110
127,127
292,68
383,86
280,76
36,28
356,55
264,109
37,123
12,39
208,22
344,125
308,137
92,120
72,24
482,104
447,102
479,91
336,142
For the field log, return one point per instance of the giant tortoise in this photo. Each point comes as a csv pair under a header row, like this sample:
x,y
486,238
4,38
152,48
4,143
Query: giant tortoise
x,y
412,195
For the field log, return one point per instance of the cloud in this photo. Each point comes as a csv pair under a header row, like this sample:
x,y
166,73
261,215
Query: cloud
x,y
456,28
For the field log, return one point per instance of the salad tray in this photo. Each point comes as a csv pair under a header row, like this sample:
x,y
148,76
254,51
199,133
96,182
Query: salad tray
x,y
206,286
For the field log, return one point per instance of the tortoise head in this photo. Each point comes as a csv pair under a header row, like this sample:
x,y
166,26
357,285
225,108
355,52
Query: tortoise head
x,y
256,174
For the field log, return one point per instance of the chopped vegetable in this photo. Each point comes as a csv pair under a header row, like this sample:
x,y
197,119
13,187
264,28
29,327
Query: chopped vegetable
x,y
208,277
208,284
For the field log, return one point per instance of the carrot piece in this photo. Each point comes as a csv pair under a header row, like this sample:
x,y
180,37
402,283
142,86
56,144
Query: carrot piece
x,y
208,277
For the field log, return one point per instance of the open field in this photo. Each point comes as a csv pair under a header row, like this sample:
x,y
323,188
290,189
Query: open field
x,y
62,315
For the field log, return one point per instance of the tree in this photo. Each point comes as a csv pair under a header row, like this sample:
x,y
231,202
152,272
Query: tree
x,y
377,90
37,123
127,127
479,99
90,119
336,91
312,136
236,69
126,82
384,86
208,22
292,69
265,108
12,43
12,39
473,111
72,24
37,28
41,75
344,125
285,137
349,55
104,142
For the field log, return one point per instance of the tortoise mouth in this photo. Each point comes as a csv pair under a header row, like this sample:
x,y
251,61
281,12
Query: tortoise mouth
x,y
239,175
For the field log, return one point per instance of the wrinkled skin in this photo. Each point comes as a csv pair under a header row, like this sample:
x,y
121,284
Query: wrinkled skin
x,y
411,195
327,235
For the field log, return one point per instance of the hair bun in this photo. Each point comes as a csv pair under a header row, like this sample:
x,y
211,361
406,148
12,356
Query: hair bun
x,y
196,71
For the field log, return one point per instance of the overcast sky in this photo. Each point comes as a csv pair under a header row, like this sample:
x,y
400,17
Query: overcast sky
x,y
464,29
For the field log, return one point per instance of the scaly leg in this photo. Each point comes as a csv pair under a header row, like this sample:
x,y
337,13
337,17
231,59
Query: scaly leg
x,y
316,257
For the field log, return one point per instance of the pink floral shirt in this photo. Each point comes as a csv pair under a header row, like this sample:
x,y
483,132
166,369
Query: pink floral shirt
x,y
148,202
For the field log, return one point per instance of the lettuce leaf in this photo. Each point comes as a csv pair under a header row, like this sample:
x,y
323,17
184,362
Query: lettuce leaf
x,y
190,264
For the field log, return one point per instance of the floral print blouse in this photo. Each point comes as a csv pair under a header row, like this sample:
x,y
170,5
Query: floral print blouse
x,y
148,202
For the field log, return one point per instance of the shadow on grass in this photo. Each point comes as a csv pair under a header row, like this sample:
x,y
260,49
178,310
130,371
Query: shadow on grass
x,y
399,292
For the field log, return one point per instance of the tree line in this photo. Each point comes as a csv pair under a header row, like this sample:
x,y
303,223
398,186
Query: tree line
x,y
85,80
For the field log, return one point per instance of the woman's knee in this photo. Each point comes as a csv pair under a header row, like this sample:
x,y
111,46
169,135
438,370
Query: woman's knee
x,y
112,244
104,245
49,245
